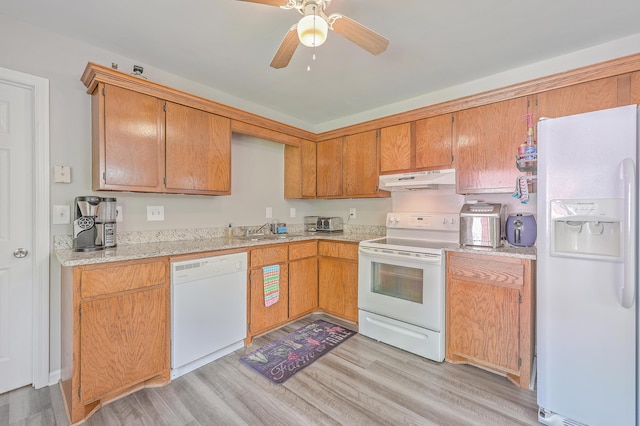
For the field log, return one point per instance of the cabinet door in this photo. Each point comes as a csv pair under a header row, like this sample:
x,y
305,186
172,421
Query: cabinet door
x,y
300,170
396,148
267,317
329,176
483,323
133,148
487,139
123,341
579,98
338,287
434,141
360,164
198,151
303,286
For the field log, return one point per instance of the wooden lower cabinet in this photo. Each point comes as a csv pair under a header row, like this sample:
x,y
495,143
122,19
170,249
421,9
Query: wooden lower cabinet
x,y
264,318
490,313
338,279
115,332
303,278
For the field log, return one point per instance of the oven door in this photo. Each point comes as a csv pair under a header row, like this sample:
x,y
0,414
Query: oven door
x,y
404,286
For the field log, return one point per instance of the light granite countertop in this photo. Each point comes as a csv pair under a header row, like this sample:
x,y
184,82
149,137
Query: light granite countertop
x,y
142,245
506,250
68,257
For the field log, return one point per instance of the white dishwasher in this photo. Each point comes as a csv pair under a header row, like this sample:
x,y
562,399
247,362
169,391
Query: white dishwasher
x,y
208,310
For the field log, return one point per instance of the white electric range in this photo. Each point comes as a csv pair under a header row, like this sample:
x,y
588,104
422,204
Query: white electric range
x,y
401,282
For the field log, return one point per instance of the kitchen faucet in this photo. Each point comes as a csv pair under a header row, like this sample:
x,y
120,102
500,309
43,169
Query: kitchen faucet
x,y
257,231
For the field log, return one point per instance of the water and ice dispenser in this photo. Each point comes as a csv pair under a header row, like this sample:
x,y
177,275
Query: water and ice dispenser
x,y
587,228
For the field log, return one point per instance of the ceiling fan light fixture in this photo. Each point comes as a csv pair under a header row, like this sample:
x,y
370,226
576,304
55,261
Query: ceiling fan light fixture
x,y
312,30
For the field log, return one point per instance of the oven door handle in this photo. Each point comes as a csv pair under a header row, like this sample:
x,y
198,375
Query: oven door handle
x,y
396,254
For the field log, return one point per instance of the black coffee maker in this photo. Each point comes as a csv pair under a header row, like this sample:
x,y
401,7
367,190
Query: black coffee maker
x,y
94,225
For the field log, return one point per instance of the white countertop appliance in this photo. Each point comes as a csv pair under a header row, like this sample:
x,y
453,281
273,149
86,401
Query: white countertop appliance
x,y
208,310
401,282
587,304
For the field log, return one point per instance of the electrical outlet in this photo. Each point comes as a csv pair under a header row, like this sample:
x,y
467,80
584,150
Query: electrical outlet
x,y
119,216
61,215
352,213
155,213
292,212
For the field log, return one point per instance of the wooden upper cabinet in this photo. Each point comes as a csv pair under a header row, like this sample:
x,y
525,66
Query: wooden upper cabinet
x,y
396,148
579,98
145,144
434,142
198,151
128,140
360,164
329,168
300,170
487,139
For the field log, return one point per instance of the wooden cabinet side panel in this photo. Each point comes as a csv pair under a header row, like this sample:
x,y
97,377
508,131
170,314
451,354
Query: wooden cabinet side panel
x,y
303,286
483,323
329,168
309,168
123,341
396,148
360,164
134,140
487,140
292,172
98,156
198,150
434,142
263,317
108,279
635,87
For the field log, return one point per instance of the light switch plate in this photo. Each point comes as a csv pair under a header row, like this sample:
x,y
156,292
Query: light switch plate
x,y
62,174
269,213
292,212
119,214
352,213
61,215
155,213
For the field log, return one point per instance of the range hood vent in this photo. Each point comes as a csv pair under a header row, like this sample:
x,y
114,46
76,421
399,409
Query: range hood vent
x,y
435,179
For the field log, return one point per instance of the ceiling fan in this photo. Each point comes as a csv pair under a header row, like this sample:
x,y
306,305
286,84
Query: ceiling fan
x,y
311,30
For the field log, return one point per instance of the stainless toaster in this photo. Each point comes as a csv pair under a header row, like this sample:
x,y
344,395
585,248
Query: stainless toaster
x,y
329,224
481,225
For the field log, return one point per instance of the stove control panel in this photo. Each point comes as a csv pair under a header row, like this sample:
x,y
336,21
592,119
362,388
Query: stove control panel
x,y
429,221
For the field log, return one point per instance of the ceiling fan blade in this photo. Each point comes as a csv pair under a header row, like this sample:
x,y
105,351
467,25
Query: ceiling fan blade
x,y
287,48
357,33
277,3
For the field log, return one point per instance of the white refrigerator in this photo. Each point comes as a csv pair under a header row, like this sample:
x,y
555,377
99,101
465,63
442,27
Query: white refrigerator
x,y
586,313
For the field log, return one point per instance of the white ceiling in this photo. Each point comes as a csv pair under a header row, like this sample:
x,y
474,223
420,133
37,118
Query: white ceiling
x,y
228,44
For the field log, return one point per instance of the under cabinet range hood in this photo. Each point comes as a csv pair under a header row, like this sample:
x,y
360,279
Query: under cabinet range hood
x,y
434,179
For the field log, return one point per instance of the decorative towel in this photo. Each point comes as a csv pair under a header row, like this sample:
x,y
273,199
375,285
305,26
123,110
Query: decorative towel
x,y
522,190
271,276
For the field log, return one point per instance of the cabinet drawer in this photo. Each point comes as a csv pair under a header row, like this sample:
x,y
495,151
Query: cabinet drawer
x,y
302,250
112,279
269,255
502,272
341,250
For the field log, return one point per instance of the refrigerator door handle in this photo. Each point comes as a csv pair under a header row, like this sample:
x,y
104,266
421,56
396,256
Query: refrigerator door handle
x,y
628,175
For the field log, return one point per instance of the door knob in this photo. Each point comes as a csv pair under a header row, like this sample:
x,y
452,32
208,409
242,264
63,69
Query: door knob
x,y
21,252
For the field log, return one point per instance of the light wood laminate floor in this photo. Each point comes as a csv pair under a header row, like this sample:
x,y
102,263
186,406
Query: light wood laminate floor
x,y
361,382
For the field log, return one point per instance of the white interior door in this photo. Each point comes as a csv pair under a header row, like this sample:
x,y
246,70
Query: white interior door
x,y
16,235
